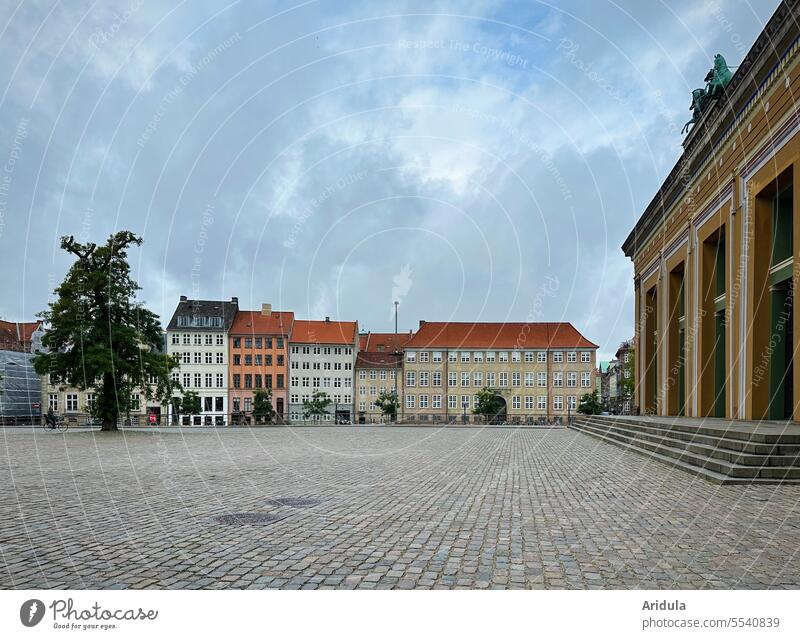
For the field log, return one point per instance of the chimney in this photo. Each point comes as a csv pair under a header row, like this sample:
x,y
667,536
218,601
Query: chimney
x,y
327,319
235,300
183,298
421,323
266,310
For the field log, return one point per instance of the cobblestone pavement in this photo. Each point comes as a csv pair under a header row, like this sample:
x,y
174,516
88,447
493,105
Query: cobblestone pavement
x,y
398,508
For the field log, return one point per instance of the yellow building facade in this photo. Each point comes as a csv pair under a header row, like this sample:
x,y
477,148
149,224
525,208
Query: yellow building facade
x,y
715,253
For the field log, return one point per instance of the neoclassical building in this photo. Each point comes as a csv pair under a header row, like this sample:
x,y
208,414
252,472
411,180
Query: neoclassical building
x,y
378,369
713,253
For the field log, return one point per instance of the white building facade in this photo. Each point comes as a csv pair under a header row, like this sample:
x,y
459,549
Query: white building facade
x,y
198,335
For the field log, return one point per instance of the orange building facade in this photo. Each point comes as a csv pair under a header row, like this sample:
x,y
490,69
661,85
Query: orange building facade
x,y
259,360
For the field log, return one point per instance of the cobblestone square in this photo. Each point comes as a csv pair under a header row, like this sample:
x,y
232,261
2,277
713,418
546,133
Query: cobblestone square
x,y
377,508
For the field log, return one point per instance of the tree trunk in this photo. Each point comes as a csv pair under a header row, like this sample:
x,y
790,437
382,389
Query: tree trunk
x,y
109,425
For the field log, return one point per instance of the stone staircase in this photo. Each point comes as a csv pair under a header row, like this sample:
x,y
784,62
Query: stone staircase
x,y
720,451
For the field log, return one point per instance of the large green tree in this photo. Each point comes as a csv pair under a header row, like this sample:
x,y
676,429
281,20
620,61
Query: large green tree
x,y
99,336
590,404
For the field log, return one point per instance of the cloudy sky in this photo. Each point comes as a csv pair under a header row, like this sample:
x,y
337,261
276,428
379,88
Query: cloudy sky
x,y
473,160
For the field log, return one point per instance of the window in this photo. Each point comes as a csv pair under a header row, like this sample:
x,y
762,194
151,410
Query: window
x,y
373,374
279,342
383,374
134,402
248,404
268,381
423,401
436,401
516,356
198,358
572,356
558,380
295,351
237,380
219,404
572,402
490,380
248,342
490,357
465,401
220,380
529,359
280,360
452,379
411,356
541,402
198,380
220,339
220,358
477,379
437,378
558,357
187,358
452,401
558,402
52,401
477,356
187,380
541,379
452,356
503,357
515,402
209,358
411,378
257,359
257,380
362,374
248,360
541,356
237,342
279,380
411,401
423,379
373,390
572,380
208,380
423,358
528,402
237,359
464,356
585,380
529,379
248,380
516,379
258,342
437,357
503,380
465,379
187,339
209,339
176,339
362,406
586,356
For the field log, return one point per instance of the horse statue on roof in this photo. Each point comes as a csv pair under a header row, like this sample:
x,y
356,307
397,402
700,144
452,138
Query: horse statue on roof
x,y
716,80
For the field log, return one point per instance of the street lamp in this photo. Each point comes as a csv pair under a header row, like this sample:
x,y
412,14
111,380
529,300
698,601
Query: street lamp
x,y
464,406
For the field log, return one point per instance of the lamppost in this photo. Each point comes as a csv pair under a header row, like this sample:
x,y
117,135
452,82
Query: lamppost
x,y
464,406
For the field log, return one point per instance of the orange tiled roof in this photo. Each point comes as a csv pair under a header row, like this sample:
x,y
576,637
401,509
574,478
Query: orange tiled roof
x,y
16,336
384,342
324,332
509,335
378,360
255,323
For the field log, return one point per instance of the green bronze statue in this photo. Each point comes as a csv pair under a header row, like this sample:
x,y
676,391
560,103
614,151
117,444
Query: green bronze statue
x,y
716,80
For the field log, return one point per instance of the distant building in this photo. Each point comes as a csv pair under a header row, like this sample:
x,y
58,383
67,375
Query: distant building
x,y
539,369
198,334
378,369
259,349
322,358
17,336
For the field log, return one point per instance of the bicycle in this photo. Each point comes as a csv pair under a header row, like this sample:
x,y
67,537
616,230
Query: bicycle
x,y
58,424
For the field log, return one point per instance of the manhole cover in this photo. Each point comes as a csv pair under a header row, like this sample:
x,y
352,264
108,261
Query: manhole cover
x,y
296,502
248,519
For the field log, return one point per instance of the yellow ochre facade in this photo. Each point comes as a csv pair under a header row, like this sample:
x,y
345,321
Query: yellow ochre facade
x,y
715,253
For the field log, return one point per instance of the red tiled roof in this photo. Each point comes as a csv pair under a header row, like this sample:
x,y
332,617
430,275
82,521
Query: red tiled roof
x,y
255,323
16,336
384,342
378,360
509,335
324,332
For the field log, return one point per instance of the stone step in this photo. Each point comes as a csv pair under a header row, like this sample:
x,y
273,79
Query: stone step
x,y
710,475
719,448
664,451
780,438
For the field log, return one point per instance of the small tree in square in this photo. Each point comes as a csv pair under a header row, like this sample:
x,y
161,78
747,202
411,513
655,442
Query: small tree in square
x,y
262,406
190,404
489,403
387,403
590,404
317,405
